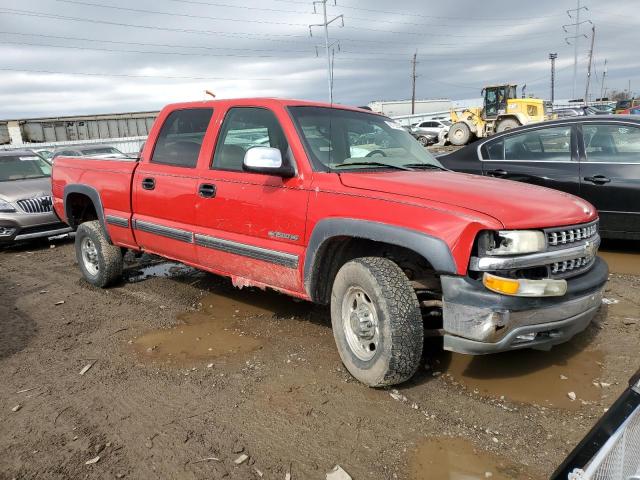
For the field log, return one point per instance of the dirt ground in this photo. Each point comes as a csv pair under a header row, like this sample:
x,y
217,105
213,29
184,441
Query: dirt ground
x,y
188,374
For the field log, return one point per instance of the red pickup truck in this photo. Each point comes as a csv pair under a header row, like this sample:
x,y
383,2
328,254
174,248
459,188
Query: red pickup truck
x,y
341,206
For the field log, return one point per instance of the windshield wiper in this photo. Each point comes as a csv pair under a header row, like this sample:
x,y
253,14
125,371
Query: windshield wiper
x,y
425,166
372,164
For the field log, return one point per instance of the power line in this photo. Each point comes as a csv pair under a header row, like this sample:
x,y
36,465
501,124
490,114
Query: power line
x,y
394,53
259,36
413,14
149,52
438,24
422,34
243,7
96,74
185,15
391,56
146,44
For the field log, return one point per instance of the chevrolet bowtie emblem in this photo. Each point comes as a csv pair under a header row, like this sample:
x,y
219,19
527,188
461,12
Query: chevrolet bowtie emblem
x,y
590,248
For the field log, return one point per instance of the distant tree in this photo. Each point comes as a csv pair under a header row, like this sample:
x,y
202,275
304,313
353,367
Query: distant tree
x,y
618,95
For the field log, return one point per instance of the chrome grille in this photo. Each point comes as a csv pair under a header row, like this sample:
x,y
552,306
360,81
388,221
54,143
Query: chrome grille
x,y
35,205
568,235
570,267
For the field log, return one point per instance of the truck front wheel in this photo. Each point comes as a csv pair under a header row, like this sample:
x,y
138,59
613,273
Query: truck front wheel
x,y
459,134
507,124
100,262
376,319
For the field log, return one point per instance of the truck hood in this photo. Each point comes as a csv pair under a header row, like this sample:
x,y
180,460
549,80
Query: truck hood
x,y
13,190
516,205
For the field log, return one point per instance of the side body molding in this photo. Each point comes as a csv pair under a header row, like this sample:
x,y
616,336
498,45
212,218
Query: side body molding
x,y
93,195
433,249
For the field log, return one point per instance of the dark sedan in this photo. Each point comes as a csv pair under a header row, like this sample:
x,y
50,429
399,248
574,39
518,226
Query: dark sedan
x,y
596,158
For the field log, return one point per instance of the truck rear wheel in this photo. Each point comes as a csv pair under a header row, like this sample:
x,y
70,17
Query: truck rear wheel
x,y
100,262
376,319
459,134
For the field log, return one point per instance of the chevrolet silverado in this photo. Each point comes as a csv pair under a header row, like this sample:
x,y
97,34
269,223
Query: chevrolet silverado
x,y
341,206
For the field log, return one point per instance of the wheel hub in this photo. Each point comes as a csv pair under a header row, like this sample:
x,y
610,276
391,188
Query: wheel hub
x,y
89,255
360,323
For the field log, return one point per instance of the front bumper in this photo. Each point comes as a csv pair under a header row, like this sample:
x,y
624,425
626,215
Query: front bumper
x,y
30,226
478,321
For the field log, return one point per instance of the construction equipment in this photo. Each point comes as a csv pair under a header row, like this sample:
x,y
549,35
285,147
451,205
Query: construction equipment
x,y
501,110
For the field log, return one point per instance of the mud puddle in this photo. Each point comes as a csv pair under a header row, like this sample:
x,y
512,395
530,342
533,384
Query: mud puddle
x,y
457,459
622,257
214,330
530,376
162,270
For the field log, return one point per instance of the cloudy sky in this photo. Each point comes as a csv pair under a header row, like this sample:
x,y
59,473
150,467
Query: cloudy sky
x,y
63,57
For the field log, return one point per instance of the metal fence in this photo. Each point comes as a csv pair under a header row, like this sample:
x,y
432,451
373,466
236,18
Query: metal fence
x,y
128,145
619,458
421,117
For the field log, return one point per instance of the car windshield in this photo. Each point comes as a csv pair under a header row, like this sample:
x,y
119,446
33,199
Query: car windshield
x,y
344,139
446,122
22,167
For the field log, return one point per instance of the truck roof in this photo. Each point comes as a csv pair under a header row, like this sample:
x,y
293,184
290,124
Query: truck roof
x,y
262,101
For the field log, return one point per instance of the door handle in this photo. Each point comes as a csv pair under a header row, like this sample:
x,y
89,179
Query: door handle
x,y
148,183
207,190
598,179
498,173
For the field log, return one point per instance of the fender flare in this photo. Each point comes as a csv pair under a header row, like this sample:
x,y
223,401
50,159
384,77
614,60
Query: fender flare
x,y
519,116
93,195
473,128
433,249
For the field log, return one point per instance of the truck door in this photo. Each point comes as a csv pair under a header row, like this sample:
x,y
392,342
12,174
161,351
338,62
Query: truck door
x,y
610,174
252,226
542,156
165,186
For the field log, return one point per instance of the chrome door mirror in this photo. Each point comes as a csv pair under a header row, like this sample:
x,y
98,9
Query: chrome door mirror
x,y
266,160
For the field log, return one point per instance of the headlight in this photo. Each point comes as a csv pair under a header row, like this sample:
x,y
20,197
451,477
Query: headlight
x,y
514,242
6,207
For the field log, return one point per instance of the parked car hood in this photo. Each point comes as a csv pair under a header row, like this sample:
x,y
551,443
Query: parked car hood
x,y
13,190
514,204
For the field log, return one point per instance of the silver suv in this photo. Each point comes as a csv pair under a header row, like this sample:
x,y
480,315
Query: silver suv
x,y
429,131
26,210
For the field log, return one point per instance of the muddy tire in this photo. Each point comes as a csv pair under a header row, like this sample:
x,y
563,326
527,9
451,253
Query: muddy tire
x,y
376,319
507,124
100,262
459,134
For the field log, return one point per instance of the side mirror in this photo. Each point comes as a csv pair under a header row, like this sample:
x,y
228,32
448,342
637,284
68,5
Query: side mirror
x,y
267,160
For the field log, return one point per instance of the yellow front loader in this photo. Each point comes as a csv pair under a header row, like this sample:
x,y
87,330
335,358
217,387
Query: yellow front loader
x,y
501,110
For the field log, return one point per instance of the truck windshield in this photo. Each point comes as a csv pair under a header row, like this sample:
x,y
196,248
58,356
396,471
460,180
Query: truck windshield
x,y
22,167
337,139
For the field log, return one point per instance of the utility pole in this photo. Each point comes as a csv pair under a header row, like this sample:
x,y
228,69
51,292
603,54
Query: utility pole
x,y
575,38
327,45
604,74
586,91
413,82
552,57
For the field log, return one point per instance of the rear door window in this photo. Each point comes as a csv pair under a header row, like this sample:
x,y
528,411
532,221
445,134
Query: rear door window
x,y
544,144
611,143
180,137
